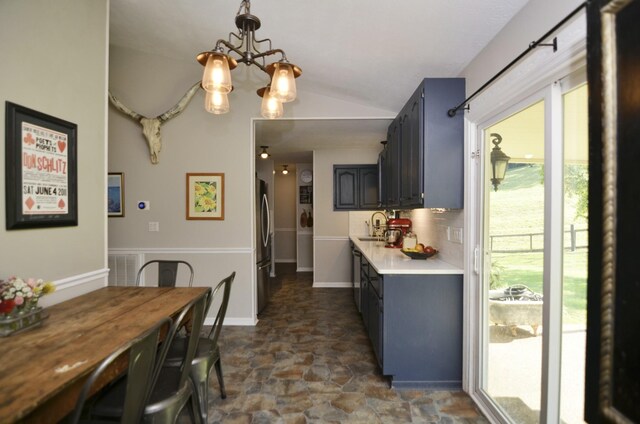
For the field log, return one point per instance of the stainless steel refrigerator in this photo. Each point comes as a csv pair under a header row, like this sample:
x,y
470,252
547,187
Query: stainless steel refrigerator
x,y
263,243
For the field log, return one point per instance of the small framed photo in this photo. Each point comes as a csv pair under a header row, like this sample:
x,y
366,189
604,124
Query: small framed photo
x,y
115,194
205,196
41,170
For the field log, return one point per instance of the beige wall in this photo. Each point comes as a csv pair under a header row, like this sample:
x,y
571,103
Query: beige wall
x,y
530,23
196,141
285,217
332,260
54,60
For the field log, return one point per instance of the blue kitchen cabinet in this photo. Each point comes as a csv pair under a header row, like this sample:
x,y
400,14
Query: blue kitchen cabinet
x,y
422,330
414,323
426,149
355,187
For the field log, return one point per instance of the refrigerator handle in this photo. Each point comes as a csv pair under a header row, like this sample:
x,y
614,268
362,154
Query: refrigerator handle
x,y
265,206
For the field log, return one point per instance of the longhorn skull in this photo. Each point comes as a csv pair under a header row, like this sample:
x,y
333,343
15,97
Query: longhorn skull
x,y
151,126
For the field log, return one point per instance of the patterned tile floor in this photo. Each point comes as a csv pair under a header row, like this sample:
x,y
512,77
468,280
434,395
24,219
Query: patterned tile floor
x,y
309,361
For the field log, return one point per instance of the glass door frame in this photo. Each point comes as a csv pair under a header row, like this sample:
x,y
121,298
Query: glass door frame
x,y
552,94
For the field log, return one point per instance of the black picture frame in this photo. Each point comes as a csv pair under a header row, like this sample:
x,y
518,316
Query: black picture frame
x,y
41,179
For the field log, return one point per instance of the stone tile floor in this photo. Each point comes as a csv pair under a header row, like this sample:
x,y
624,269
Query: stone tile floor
x,y
309,361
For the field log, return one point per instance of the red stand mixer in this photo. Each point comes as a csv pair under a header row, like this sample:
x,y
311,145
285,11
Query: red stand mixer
x,y
397,228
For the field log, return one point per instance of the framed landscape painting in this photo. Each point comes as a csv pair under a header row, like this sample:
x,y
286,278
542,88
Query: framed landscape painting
x,y
205,196
115,194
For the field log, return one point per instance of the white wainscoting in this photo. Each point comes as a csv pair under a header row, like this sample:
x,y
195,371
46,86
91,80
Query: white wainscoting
x,y
211,265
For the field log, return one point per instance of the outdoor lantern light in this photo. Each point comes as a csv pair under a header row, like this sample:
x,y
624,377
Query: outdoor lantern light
x,y
499,161
218,64
264,154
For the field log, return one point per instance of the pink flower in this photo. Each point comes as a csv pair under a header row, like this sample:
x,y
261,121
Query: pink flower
x,y
31,282
19,300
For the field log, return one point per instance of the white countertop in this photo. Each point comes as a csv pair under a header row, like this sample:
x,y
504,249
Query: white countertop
x,y
392,261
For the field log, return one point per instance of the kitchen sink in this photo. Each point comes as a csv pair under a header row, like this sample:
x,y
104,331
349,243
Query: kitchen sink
x,y
369,238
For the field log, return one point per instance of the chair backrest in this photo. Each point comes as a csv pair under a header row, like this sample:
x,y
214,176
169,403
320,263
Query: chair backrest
x,y
194,310
224,285
142,357
167,272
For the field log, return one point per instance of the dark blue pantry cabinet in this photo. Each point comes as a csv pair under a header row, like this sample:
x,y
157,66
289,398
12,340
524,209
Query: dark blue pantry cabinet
x,y
414,322
422,164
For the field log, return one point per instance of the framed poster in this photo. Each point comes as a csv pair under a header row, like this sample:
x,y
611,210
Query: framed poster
x,y
41,169
115,194
205,196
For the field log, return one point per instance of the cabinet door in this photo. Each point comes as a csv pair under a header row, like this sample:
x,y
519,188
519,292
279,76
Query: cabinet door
x,y
375,329
393,167
405,154
364,292
345,190
414,164
368,187
382,177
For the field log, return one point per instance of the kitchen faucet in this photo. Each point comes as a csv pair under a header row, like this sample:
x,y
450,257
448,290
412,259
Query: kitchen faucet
x,y
377,229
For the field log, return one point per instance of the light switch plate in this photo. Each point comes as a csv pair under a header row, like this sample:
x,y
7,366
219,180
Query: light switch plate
x,y
154,226
456,235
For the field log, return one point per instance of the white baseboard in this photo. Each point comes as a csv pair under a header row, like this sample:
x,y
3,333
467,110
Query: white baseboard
x,y
304,269
233,321
333,285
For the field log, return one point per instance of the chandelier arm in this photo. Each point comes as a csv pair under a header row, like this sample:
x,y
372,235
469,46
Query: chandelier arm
x,y
272,51
231,47
260,42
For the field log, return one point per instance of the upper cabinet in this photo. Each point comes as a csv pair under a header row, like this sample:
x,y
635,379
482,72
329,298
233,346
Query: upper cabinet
x,y
423,163
355,187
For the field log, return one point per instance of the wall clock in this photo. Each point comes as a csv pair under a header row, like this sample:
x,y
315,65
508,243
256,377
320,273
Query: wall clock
x,y
306,176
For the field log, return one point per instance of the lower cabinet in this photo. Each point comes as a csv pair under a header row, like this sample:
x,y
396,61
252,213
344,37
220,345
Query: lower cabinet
x,y
414,323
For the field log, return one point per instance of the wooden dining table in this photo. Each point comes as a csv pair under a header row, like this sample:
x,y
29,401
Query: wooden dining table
x,y
43,369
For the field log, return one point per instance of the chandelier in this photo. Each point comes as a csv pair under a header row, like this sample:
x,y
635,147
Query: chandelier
x,y
216,80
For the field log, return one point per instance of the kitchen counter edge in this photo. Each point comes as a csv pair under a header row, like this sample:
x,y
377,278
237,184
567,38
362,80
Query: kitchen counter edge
x,y
393,261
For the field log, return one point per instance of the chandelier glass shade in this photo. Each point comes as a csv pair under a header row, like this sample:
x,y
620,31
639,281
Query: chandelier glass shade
x,y
271,105
216,102
219,62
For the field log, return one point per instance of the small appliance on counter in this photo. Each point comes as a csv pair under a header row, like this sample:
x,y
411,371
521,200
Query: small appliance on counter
x,y
397,228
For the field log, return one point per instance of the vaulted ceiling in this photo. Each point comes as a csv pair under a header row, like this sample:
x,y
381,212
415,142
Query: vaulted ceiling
x,y
369,52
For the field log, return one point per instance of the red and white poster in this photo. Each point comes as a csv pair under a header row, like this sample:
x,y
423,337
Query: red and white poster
x,y
45,179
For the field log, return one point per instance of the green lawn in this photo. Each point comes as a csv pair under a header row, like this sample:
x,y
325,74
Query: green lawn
x,y
518,208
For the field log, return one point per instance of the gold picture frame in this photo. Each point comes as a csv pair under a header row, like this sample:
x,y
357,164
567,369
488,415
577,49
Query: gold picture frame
x,y
205,196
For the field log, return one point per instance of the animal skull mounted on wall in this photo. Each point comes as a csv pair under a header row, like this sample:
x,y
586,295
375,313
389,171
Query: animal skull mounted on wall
x,y
151,126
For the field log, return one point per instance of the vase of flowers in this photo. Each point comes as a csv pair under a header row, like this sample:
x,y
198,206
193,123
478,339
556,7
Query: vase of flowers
x,y
19,303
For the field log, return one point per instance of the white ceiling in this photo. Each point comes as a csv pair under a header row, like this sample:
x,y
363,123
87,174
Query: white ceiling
x,y
370,52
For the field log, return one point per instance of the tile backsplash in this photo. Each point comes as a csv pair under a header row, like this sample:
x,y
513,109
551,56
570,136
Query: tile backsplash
x,y
431,227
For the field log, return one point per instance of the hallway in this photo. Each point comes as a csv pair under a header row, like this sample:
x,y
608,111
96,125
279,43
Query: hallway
x,y
309,361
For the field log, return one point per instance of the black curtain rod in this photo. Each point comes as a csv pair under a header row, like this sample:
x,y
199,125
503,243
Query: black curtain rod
x,y
452,112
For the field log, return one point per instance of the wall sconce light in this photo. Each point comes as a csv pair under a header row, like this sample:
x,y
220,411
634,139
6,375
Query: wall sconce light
x,y
499,161
285,171
264,154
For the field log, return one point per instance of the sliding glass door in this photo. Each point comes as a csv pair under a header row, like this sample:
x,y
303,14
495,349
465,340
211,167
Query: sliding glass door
x,y
534,243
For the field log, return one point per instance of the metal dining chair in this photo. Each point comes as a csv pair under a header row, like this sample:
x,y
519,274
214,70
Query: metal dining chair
x,y
141,356
208,352
171,386
167,272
